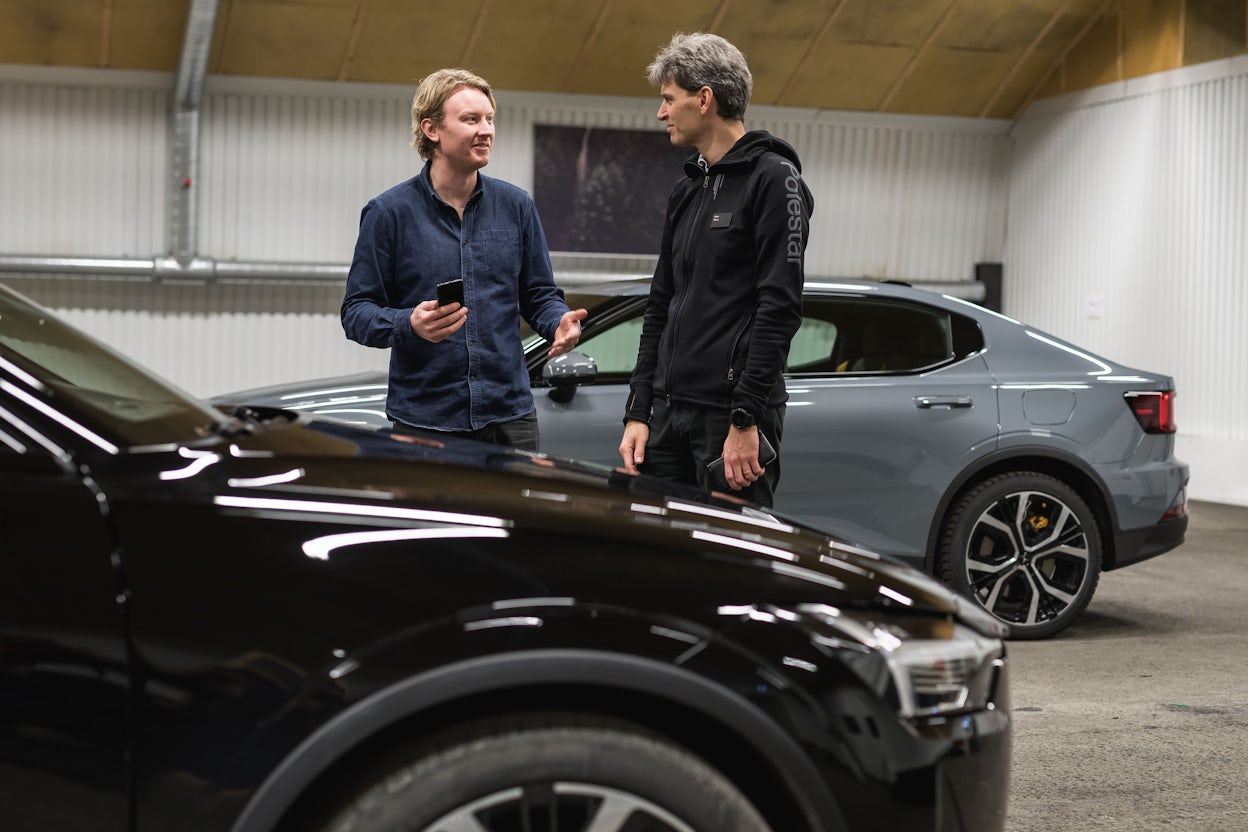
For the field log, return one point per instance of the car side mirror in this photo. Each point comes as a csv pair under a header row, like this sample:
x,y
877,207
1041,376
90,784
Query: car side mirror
x,y
565,372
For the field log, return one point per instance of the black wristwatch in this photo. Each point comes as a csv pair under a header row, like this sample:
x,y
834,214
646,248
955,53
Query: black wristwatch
x,y
742,418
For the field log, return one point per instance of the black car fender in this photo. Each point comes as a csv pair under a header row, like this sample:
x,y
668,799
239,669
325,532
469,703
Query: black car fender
x,y
495,673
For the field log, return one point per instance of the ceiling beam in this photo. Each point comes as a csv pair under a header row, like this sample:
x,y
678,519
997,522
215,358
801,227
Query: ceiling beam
x,y
353,40
475,35
918,54
718,17
1022,59
106,32
1070,47
813,48
588,44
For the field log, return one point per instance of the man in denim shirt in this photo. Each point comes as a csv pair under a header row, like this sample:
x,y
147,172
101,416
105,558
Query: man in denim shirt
x,y
456,368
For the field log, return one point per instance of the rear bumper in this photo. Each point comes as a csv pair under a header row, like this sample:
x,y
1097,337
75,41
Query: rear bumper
x,y
1141,544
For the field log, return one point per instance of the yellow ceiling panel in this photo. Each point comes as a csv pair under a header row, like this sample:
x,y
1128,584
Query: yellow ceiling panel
x,y
849,77
534,44
146,34
401,41
994,26
954,82
50,32
632,33
286,38
1152,37
775,37
888,22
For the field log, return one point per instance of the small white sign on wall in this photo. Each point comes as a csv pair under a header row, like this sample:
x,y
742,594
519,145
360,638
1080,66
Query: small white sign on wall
x,y
1094,306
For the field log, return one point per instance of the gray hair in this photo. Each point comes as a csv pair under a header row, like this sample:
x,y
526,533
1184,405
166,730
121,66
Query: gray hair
x,y
701,60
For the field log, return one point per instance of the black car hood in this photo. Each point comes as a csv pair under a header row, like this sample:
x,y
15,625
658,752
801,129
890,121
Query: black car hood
x,y
339,462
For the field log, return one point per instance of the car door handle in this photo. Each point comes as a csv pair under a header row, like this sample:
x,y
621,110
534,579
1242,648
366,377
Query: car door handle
x,y
950,402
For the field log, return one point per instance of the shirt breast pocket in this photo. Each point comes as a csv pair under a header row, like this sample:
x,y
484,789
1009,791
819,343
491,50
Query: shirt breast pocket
x,y
501,251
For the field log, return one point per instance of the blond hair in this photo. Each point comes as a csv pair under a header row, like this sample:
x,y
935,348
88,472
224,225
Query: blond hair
x,y
429,102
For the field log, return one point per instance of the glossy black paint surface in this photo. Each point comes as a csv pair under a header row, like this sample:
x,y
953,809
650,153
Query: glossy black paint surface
x,y
199,634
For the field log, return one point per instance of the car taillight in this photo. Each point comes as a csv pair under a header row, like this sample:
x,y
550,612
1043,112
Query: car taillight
x,y
1154,410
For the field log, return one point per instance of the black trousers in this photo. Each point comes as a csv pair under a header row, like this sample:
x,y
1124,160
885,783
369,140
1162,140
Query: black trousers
x,y
685,438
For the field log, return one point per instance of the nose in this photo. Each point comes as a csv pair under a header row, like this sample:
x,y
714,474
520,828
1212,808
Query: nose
x,y
662,114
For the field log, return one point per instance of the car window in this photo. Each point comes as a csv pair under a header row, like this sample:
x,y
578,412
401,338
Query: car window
x,y
870,335
615,349
811,348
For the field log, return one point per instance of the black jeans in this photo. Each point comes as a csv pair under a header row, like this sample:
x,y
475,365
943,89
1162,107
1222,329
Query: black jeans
x,y
685,438
521,433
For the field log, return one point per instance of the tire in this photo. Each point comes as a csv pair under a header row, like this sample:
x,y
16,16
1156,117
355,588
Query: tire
x,y
1027,548
575,776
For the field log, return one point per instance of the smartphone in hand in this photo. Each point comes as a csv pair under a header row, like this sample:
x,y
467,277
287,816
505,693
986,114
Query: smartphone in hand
x,y
766,455
452,291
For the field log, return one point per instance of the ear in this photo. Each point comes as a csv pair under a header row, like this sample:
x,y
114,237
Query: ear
x,y
429,129
706,100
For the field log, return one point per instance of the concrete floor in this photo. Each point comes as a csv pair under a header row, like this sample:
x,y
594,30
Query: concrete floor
x,y
1136,717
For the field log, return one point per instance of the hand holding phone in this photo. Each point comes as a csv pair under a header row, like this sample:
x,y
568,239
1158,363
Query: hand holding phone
x,y
452,291
766,455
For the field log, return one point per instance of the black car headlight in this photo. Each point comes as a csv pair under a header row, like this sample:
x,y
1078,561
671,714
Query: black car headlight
x,y
934,666
941,676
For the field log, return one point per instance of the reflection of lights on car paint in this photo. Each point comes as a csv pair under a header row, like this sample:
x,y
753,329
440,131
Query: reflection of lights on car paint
x,y
319,548
44,442
885,640
358,510
343,414
92,437
766,520
260,482
243,453
800,664
337,391
25,377
642,508
514,603
1104,369
805,574
1046,386
889,592
747,545
512,621
343,668
678,635
199,461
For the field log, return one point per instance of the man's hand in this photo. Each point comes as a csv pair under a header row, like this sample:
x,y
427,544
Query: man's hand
x,y
633,445
568,333
437,323
741,466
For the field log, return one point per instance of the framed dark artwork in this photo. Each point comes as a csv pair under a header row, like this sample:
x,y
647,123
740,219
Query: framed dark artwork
x,y
604,190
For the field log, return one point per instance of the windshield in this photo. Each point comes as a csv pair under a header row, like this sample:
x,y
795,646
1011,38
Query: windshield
x,y
96,384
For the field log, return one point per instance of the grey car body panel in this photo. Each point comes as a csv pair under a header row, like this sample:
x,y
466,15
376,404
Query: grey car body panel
x,y
879,457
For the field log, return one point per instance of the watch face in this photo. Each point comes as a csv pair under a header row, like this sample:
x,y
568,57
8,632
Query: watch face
x,y
742,418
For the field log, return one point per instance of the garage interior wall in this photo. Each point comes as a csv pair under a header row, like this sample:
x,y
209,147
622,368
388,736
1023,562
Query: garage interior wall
x,y
286,166
1128,221
1126,210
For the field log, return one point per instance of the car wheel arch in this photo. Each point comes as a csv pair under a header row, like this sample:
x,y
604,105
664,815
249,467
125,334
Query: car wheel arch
x,y
1068,469
499,682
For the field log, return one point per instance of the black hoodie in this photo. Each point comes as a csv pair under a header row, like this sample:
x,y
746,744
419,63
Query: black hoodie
x,y
726,297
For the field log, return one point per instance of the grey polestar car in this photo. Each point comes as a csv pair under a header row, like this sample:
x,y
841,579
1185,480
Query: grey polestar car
x,y
1011,464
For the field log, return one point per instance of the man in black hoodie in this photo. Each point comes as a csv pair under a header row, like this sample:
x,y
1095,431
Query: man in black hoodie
x,y
726,297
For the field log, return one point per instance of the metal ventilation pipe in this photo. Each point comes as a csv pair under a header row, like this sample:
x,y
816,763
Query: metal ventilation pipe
x,y
181,229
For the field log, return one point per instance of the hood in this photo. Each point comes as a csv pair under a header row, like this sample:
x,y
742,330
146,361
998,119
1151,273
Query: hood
x,y
556,497
746,152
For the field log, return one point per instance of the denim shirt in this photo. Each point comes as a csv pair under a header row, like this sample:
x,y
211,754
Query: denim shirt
x,y
410,241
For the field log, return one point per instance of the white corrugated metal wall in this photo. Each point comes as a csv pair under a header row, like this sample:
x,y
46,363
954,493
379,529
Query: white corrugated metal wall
x,y
1128,213
286,167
